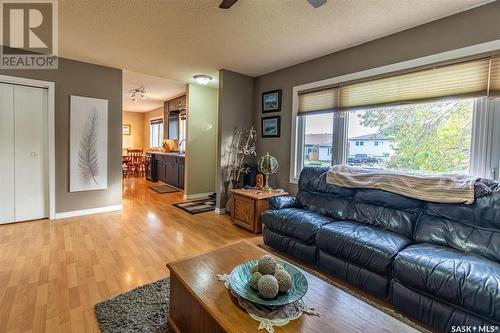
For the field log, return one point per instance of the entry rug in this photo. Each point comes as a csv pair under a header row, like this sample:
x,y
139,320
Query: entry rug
x,y
269,318
142,310
163,189
197,206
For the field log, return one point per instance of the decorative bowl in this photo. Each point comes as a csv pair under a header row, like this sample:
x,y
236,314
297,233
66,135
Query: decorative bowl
x,y
240,276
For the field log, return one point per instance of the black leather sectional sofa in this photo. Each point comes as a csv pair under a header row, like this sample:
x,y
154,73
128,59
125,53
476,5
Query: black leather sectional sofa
x,y
439,263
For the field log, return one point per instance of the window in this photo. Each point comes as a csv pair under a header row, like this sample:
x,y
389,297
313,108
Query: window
x,y
438,118
155,133
182,129
427,137
317,138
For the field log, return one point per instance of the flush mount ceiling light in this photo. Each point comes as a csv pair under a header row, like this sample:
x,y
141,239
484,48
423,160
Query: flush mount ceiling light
x,y
141,92
202,78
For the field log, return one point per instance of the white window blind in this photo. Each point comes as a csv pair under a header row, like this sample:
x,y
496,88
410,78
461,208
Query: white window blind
x,y
319,101
465,79
494,88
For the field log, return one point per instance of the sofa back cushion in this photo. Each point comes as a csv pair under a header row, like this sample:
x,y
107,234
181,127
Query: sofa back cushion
x,y
316,195
385,210
378,208
469,228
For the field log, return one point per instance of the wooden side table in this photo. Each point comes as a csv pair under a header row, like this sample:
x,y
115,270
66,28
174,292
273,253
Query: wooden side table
x,y
248,205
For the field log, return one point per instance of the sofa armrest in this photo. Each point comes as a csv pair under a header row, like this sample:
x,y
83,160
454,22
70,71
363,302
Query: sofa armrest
x,y
283,201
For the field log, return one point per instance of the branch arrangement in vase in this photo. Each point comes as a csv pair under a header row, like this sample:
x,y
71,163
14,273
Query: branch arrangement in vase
x,y
242,146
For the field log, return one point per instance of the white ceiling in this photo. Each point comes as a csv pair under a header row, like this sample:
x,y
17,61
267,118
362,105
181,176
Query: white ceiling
x,y
176,39
158,90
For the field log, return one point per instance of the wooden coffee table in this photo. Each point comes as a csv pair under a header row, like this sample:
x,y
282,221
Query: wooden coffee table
x,y
199,303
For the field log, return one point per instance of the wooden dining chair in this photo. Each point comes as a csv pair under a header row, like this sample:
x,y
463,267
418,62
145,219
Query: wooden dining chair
x,y
135,161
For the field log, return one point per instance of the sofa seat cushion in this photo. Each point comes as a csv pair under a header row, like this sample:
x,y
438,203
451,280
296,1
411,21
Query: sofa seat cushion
x,y
296,223
469,281
364,245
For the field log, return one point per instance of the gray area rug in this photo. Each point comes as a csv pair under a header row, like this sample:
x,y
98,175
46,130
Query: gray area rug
x,y
143,309
163,189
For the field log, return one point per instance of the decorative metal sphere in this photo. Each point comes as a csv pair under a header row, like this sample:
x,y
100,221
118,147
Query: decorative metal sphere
x,y
268,164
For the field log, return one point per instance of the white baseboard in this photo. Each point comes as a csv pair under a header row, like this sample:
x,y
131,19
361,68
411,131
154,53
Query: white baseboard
x,y
197,196
220,211
89,211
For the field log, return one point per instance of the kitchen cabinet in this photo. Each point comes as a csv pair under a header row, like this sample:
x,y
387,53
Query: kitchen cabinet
x,y
170,169
176,104
165,120
172,110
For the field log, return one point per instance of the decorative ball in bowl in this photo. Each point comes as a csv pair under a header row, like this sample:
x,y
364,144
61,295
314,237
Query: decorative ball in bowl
x,y
269,282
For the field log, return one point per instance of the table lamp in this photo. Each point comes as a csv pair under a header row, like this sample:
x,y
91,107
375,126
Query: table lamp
x,y
268,165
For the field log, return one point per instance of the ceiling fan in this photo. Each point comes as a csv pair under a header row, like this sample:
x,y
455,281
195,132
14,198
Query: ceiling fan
x,y
226,4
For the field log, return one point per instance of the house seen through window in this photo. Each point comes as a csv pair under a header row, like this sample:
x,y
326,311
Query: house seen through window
x,y
318,139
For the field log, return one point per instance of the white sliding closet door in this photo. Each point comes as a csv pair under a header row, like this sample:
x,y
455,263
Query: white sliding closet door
x,y
7,153
31,153
24,188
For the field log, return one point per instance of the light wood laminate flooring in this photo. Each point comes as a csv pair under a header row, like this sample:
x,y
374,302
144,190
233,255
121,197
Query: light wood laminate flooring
x,y
53,272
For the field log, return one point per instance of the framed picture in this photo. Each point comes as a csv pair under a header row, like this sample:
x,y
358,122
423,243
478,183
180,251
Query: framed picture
x,y
271,101
271,126
88,153
126,129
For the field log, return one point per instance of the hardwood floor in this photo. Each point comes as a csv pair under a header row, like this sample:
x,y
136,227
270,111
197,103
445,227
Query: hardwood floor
x,y
52,273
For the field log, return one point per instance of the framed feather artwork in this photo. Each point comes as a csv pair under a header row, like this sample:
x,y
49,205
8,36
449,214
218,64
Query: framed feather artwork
x,y
88,157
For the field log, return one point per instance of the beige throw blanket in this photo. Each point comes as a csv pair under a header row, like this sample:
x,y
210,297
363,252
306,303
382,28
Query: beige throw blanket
x,y
436,188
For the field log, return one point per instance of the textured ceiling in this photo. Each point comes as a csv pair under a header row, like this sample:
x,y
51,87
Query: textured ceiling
x,y
157,91
176,39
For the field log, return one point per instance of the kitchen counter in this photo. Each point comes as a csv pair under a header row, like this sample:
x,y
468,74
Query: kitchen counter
x,y
173,153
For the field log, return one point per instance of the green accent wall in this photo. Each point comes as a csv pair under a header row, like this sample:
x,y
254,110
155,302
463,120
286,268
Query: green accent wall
x,y
201,140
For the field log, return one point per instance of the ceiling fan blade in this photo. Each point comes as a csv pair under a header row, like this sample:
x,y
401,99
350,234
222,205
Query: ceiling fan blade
x,y
226,4
316,3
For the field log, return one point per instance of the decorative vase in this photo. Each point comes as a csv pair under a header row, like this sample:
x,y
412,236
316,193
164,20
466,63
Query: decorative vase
x,y
235,183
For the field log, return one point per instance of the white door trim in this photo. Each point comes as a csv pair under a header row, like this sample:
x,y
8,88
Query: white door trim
x,y
50,86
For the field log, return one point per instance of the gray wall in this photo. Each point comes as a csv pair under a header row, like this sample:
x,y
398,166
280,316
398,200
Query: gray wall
x,y
82,79
235,110
479,25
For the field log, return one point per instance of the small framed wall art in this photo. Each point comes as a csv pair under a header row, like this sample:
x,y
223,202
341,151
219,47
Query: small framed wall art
x,y
271,101
271,126
126,129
